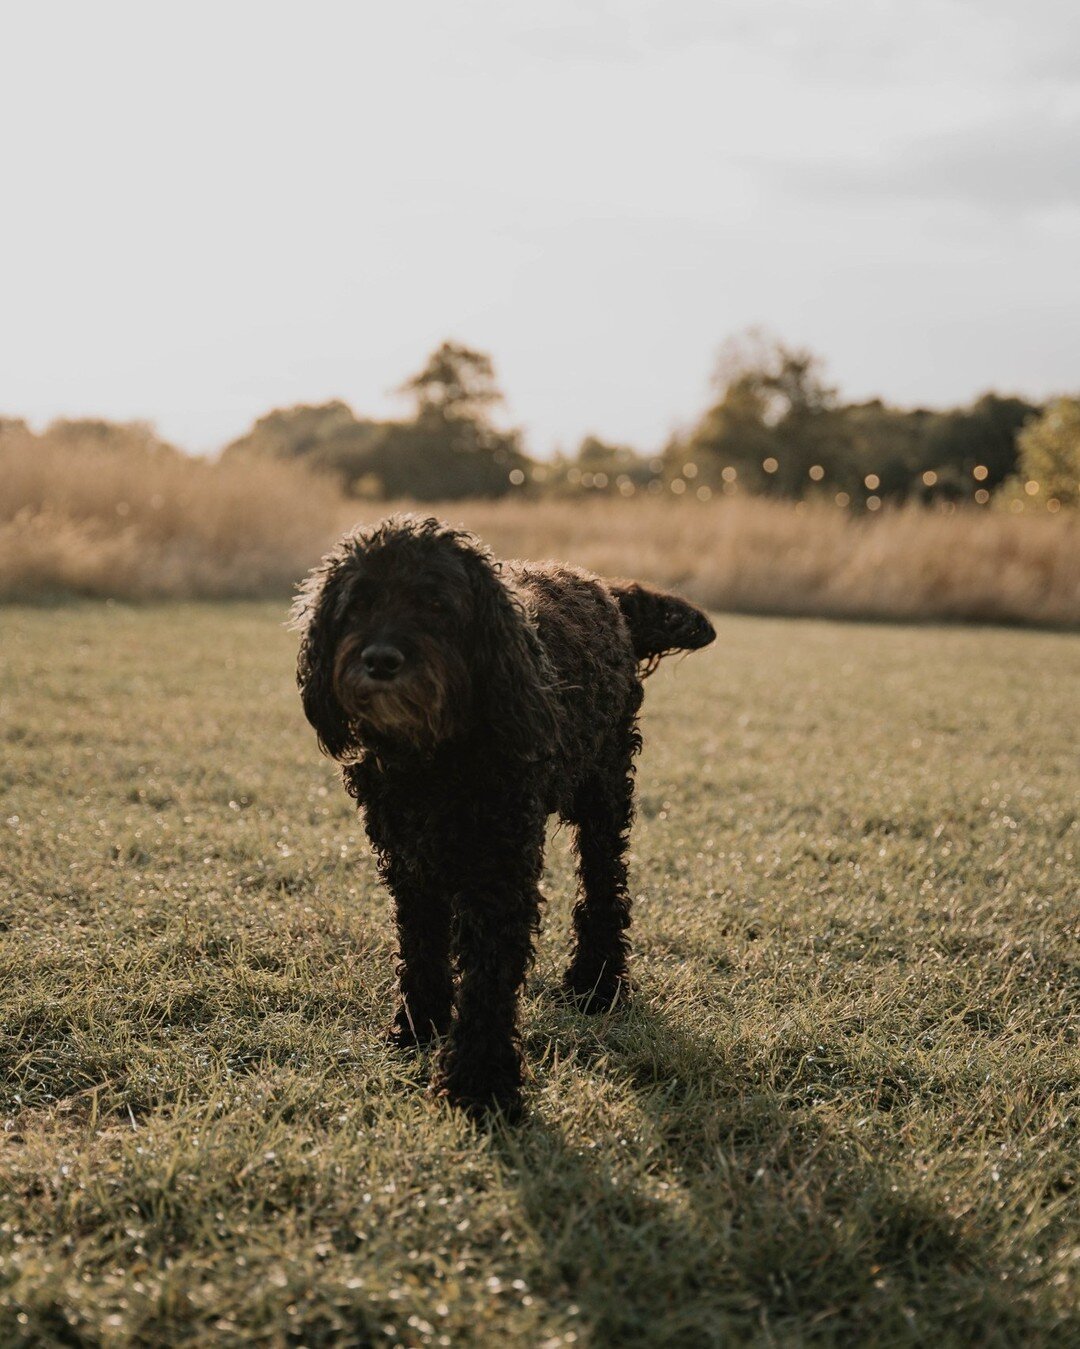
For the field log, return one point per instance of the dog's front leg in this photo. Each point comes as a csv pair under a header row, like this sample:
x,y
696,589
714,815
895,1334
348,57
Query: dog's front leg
x,y
422,909
423,923
495,918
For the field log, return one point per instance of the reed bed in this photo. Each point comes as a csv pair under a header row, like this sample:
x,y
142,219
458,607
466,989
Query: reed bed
x,y
749,555
130,523
126,522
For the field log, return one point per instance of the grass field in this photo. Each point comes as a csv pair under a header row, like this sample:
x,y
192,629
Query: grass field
x,y
844,1107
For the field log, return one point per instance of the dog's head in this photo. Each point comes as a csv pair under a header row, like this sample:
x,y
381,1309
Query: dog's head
x,y
409,636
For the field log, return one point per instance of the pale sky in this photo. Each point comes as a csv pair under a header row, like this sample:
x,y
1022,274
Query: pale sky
x,y
212,209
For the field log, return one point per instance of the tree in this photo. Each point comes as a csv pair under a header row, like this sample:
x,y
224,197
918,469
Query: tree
x,y
457,383
1050,457
773,421
984,434
293,433
329,437
90,433
450,448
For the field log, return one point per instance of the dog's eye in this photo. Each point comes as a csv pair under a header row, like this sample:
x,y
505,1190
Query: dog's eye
x,y
360,592
433,603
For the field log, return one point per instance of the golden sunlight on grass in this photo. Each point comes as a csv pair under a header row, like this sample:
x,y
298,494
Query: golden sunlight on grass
x,y
840,1108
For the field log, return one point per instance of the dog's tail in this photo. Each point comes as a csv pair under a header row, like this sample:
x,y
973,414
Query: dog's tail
x,y
659,623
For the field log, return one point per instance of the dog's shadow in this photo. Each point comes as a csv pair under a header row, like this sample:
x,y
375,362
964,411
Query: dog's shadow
x,y
739,1217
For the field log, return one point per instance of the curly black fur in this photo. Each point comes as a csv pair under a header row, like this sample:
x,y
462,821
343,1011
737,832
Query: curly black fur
x,y
468,700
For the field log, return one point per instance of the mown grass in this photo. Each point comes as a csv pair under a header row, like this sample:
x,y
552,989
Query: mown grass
x,y
843,1107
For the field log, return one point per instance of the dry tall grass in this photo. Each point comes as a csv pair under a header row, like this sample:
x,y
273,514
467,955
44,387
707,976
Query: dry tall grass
x,y
755,556
120,520
127,522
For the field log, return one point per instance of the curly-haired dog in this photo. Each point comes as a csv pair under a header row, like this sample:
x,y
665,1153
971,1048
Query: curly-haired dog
x,y
469,699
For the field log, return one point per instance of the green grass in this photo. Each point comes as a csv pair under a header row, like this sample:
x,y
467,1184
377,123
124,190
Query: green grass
x,y
844,1107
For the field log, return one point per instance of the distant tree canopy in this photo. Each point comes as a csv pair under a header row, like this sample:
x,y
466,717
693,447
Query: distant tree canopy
x,y
1049,467
774,420
449,448
97,434
774,426
456,384
778,428
327,436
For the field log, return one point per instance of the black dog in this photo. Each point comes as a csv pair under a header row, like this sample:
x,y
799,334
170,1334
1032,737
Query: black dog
x,y
469,699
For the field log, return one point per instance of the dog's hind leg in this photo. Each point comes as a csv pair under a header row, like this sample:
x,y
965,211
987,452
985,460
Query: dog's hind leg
x,y
603,812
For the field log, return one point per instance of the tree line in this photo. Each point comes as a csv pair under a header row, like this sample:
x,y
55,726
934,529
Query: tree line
x,y
774,427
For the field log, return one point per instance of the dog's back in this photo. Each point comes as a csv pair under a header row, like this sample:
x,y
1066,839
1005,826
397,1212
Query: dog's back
x,y
600,639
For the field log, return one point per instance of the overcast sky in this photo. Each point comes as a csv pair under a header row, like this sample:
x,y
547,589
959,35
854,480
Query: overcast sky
x,y
212,209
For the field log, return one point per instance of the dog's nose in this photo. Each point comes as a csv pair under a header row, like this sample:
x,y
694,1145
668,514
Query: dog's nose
x,y
381,660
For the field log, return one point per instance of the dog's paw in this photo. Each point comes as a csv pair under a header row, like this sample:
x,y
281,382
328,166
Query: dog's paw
x,y
487,1108
407,1034
594,991
482,1092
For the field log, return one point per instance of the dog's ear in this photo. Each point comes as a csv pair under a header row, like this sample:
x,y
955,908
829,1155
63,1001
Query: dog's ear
x,y
317,615
510,671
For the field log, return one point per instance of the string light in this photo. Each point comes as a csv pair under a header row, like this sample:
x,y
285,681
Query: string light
x,y
873,503
982,496
770,465
872,482
704,493
517,477
729,474
678,486
1031,488
689,470
929,477
842,499
816,472
980,473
